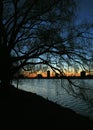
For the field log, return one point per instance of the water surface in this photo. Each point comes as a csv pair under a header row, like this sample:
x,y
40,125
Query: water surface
x,y
53,89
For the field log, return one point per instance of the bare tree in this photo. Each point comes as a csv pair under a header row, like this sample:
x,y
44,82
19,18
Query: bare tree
x,y
34,32
29,30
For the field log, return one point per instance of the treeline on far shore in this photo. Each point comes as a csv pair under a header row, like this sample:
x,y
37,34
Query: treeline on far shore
x,y
59,77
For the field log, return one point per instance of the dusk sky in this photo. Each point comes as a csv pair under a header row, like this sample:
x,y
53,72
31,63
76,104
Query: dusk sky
x,y
85,10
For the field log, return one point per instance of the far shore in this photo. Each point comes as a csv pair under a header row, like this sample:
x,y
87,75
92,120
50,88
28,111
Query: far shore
x,y
63,77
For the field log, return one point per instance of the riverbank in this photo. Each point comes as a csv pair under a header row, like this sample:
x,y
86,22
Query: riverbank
x,y
37,112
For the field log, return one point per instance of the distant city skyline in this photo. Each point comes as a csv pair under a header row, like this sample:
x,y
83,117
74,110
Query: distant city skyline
x,y
49,74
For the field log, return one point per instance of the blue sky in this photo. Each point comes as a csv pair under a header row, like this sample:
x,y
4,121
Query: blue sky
x,y
85,10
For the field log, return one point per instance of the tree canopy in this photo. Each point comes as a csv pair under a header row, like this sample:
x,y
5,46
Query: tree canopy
x,y
36,32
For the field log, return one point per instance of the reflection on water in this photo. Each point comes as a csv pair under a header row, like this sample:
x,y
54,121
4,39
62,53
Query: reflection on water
x,y
53,89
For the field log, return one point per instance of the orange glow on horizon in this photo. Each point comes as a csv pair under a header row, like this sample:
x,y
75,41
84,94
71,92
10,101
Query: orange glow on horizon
x,y
44,74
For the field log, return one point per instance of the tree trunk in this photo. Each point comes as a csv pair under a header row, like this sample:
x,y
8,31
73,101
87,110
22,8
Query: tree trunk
x,y
5,65
5,78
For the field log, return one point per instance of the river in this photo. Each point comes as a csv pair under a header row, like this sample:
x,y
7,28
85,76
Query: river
x,y
61,92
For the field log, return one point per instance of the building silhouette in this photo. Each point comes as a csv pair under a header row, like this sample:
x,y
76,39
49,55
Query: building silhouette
x,y
56,75
83,74
39,76
48,74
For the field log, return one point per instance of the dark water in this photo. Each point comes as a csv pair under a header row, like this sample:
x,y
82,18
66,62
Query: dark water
x,y
53,89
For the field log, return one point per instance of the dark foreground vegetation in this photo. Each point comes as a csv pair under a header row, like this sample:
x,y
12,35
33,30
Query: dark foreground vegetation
x,y
19,106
